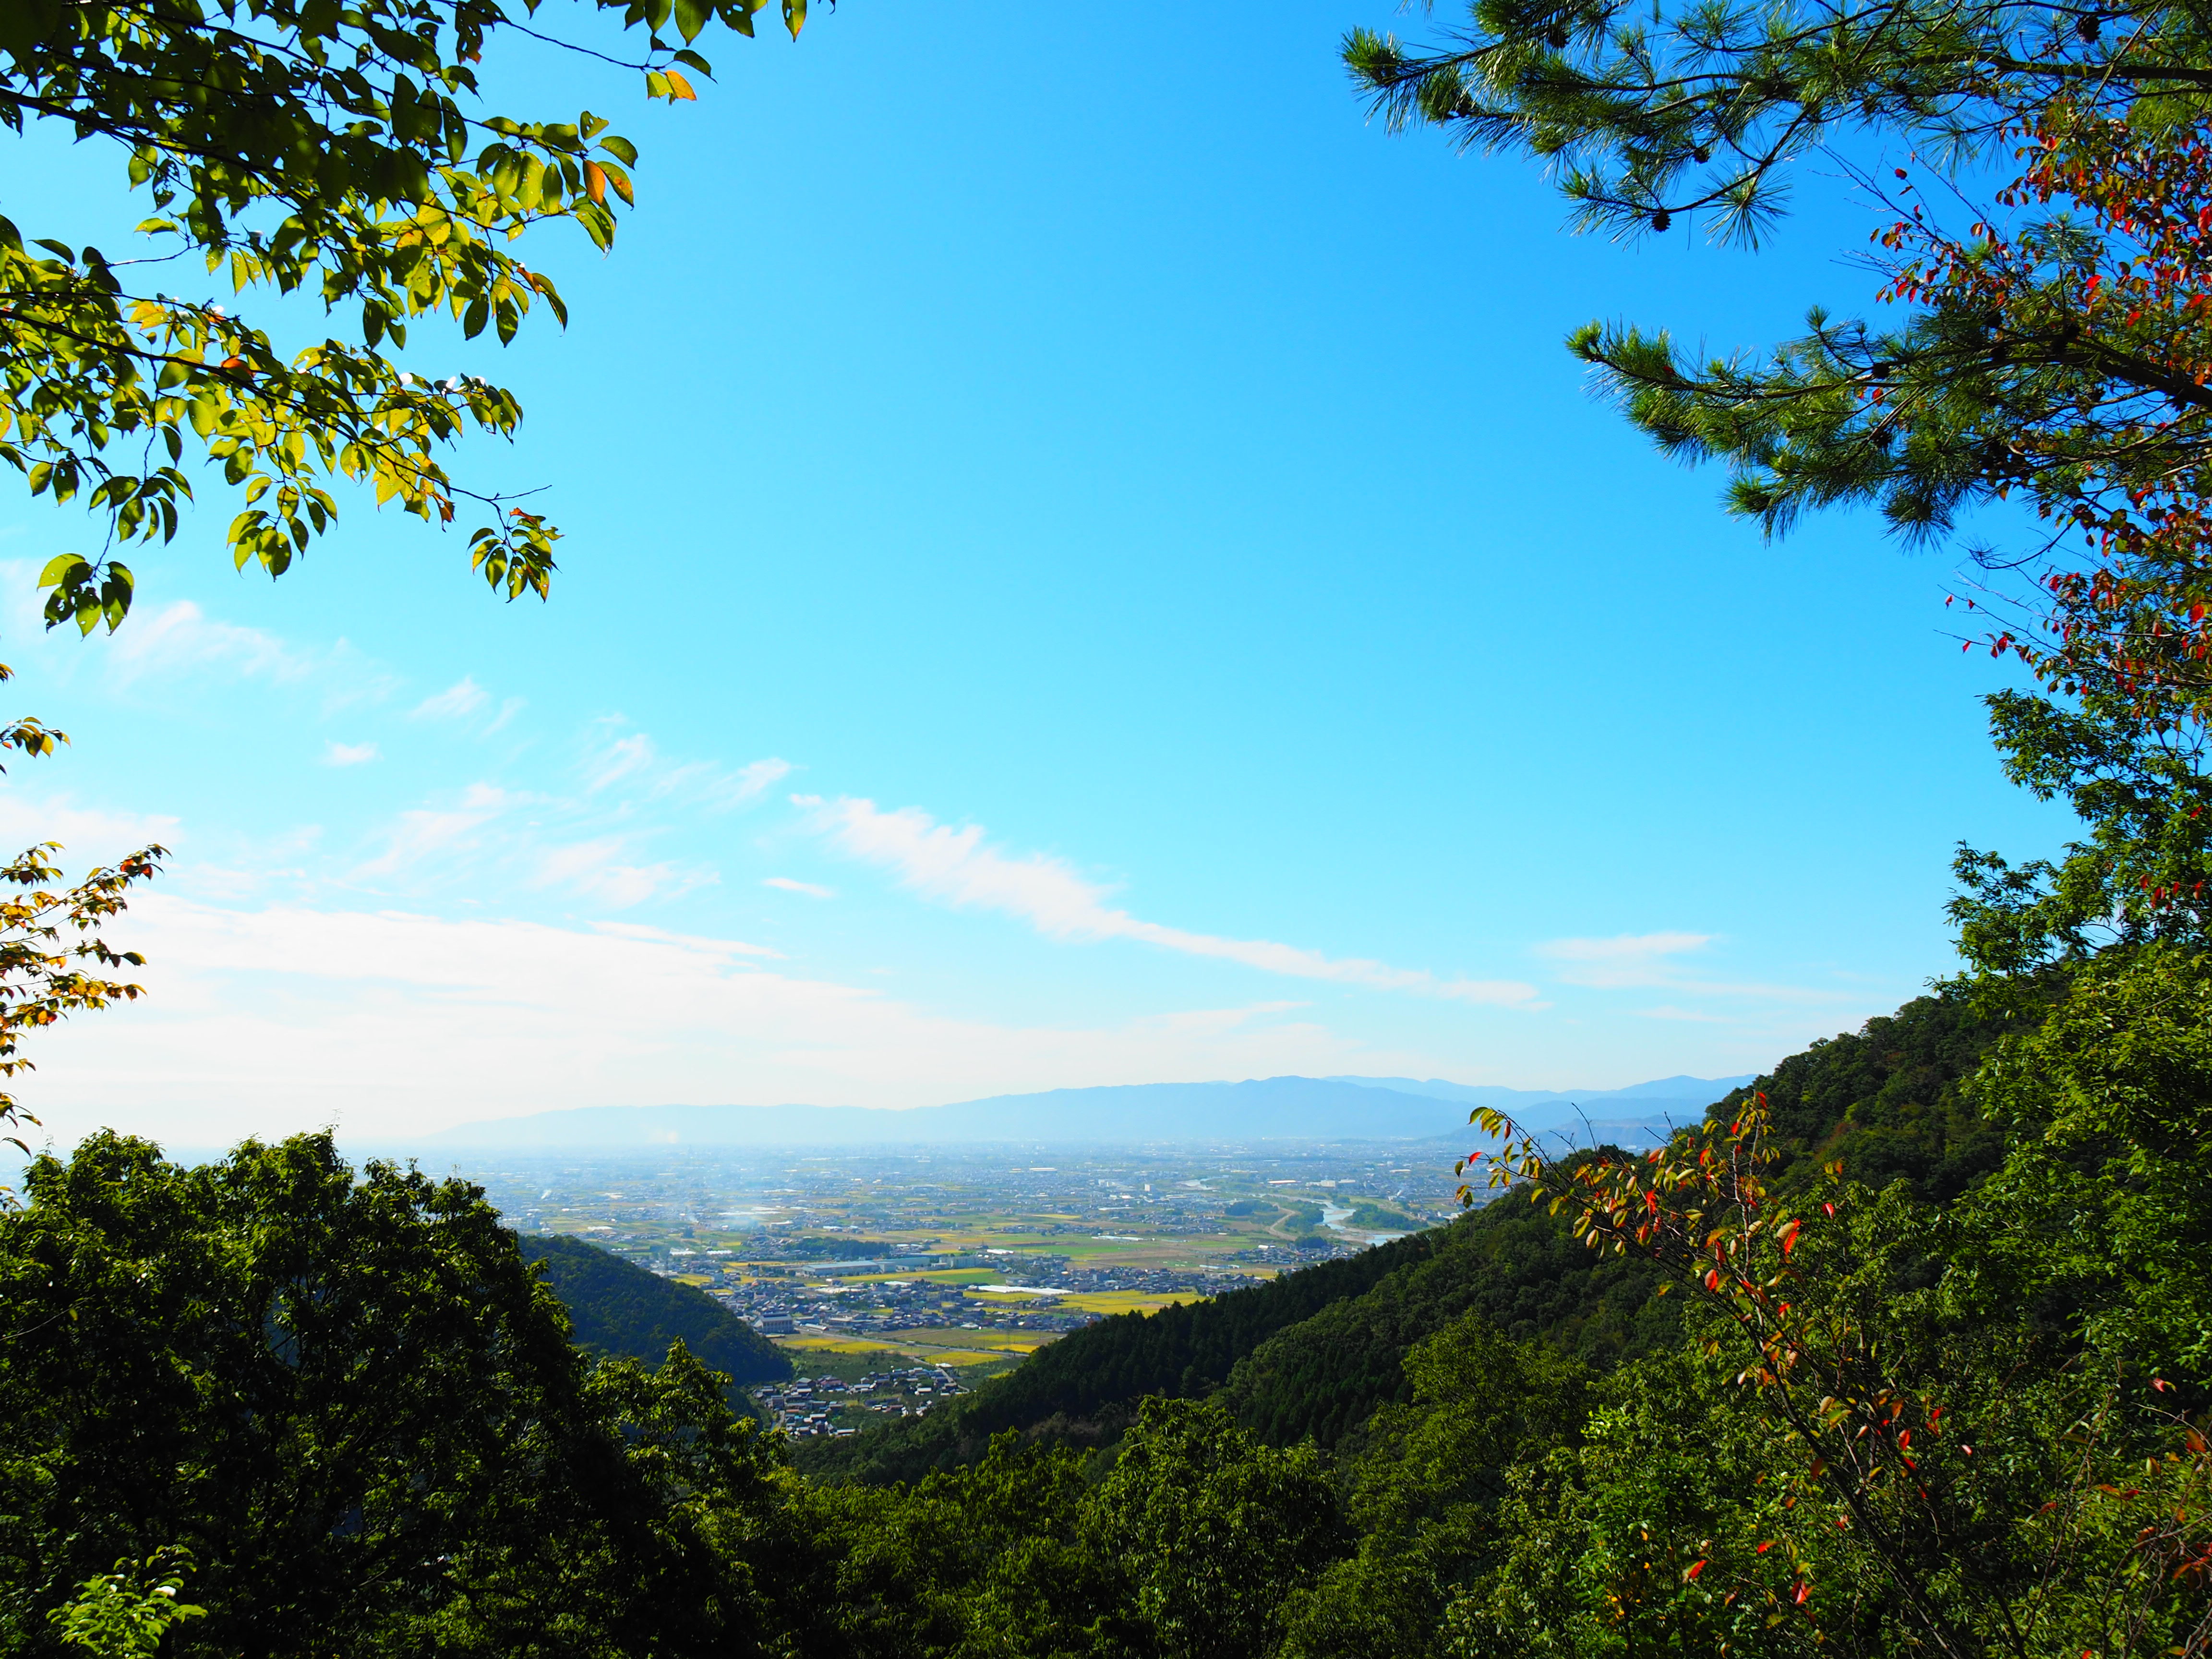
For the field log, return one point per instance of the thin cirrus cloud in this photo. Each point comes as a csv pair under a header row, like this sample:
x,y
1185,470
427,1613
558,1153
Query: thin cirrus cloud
x,y
599,870
787,884
350,754
957,867
484,824
457,701
624,757
589,842
425,832
173,639
720,791
86,831
180,636
1629,959
1646,961
180,642
1688,1015
178,645
634,760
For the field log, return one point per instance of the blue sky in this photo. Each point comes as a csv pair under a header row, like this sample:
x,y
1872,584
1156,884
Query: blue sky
x,y
1086,563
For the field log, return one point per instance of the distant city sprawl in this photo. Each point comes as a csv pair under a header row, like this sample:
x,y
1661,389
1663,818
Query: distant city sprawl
x,y
889,1277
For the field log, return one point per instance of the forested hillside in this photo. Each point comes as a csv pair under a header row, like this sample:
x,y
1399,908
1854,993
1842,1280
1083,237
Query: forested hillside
x,y
1885,1099
337,1409
1314,1352
617,1307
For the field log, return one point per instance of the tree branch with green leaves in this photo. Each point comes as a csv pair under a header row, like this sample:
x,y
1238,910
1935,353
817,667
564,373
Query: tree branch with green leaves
x,y
339,151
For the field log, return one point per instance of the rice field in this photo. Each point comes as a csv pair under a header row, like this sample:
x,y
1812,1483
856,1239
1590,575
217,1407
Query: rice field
x,y
1120,1302
933,1346
939,1338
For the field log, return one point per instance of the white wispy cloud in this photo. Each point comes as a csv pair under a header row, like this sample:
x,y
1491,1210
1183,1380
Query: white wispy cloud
x,y
457,701
603,839
735,949
727,790
270,1019
623,757
634,760
488,836
600,869
958,867
1628,959
181,643
88,835
425,832
179,636
788,885
178,645
350,754
1647,962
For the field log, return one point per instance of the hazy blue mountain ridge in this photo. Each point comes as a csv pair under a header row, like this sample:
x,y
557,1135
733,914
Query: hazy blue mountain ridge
x,y
1281,1108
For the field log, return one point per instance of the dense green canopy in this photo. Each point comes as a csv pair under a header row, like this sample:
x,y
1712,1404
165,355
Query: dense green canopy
x,y
349,1405
616,1307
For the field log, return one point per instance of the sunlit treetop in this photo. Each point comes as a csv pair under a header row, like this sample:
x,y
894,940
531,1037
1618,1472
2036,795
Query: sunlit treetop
x,y
338,150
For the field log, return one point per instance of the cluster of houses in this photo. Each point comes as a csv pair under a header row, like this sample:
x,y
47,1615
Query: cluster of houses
x,y
826,1404
860,1297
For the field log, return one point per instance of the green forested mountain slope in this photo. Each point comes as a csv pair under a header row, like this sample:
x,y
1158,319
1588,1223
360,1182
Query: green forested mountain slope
x,y
1314,1352
1884,1099
1520,1268
618,1308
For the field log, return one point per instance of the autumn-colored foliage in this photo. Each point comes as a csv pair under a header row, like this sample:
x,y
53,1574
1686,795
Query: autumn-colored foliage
x,y
1988,1489
2096,345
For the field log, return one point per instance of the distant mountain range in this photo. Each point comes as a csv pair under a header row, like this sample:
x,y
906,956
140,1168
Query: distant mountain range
x,y
1273,1109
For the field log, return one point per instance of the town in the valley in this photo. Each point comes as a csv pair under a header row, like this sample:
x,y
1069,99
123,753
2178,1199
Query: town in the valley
x,y
896,1279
